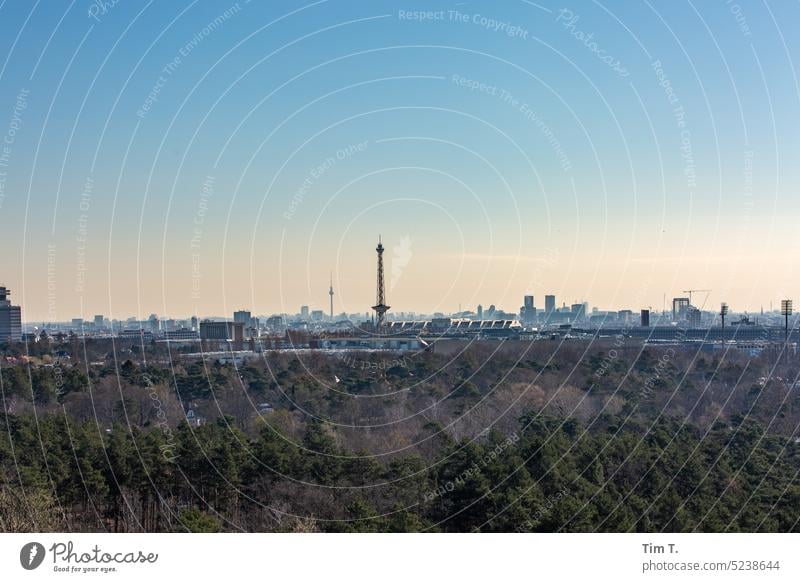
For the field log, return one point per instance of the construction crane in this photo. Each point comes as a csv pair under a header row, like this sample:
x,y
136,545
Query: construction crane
x,y
690,291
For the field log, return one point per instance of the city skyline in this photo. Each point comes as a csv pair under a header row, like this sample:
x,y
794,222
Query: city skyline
x,y
705,302
528,312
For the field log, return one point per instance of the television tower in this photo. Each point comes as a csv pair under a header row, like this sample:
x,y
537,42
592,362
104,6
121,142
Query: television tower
x,y
380,306
330,292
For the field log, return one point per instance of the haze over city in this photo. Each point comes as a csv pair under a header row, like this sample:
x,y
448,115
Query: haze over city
x,y
182,162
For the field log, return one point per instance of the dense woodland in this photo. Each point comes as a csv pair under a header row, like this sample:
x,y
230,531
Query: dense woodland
x,y
544,436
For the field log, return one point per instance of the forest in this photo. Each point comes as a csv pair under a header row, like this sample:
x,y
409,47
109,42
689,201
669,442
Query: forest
x,y
535,437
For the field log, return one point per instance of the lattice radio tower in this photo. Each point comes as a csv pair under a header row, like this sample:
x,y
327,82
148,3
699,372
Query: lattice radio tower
x,y
380,306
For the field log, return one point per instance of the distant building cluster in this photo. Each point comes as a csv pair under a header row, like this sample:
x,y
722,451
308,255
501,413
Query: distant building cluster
x,y
397,330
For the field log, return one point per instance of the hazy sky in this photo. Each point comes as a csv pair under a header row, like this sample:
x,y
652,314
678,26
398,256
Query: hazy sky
x,y
202,157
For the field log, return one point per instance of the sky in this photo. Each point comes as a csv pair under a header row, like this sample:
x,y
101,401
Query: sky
x,y
200,157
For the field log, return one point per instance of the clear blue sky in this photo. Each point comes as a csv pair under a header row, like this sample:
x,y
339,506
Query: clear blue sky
x,y
612,152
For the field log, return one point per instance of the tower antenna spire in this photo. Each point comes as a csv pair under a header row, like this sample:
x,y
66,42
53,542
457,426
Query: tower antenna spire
x,y
380,306
330,292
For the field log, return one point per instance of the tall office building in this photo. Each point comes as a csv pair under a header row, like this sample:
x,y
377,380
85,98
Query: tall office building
x,y
528,302
694,316
645,318
304,311
242,317
480,312
10,318
680,307
528,310
549,304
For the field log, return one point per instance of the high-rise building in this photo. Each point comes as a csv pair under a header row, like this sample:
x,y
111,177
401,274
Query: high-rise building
x,y
10,318
242,317
577,311
645,318
528,302
480,312
528,310
304,311
549,304
680,307
99,322
694,316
